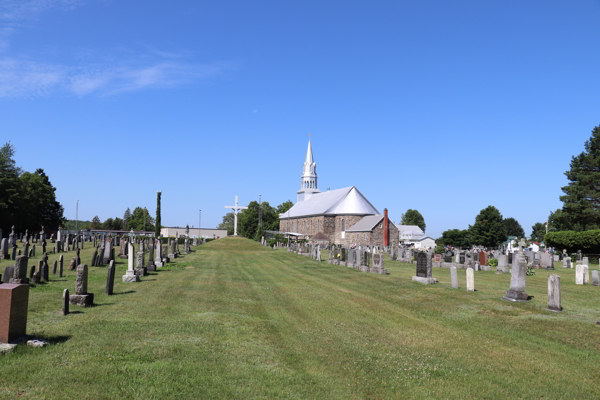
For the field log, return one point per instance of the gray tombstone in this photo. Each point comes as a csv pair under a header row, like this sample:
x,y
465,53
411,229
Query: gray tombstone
x,y
554,293
595,278
516,291
110,278
9,271
454,278
81,296
61,262
54,267
20,270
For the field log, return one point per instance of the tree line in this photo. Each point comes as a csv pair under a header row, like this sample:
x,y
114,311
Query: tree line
x,y
27,199
249,220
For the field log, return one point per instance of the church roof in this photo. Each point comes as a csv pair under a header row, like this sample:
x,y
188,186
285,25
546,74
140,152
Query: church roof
x,y
341,201
366,224
414,228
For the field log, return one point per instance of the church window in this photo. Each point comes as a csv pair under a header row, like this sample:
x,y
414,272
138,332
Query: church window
x,y
343,226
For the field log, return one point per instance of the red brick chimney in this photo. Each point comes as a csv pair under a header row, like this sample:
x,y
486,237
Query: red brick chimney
x,y
386,228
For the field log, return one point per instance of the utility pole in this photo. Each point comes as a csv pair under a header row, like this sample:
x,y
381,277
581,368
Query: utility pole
x,y
77,217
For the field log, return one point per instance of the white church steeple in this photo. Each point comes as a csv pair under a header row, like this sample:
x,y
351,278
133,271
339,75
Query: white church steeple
x,y
308,179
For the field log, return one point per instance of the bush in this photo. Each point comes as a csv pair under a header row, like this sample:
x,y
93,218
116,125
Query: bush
x,y
586,241
493,262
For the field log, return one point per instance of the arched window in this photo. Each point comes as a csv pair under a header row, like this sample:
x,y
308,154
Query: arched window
x,y
343,226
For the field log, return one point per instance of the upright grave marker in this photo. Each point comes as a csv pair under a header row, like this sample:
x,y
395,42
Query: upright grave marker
x,y
516,291
130,275
423,270
14,301
554,293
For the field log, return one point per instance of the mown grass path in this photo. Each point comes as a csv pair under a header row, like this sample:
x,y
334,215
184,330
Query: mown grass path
x,y
235,320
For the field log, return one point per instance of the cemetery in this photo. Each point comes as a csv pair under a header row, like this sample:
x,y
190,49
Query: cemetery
x,y
234,310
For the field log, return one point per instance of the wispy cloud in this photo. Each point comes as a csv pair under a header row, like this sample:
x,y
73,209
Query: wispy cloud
x,y
17,10
20,78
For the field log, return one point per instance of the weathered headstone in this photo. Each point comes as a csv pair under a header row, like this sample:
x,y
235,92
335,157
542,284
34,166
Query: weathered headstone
x,y
579,280
140,268
130,275
595,278
554,293
73,264
567,262
516,291
110,278
470,280
9,271
60,265
20,270
54,267
454,278
81,296
378,264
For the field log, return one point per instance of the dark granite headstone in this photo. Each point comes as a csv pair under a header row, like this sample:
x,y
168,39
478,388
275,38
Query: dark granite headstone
x,y
422,265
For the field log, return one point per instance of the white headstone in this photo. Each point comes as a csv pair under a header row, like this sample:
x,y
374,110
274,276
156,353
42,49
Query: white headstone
x,y
470,280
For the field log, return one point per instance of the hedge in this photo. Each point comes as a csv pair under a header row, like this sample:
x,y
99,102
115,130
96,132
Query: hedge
x,y
586,241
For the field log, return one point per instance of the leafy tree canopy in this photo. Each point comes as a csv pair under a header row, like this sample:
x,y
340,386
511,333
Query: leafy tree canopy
x,y
489,229
538,231
227,223
514,228
413,217
455,238
140,220
283,207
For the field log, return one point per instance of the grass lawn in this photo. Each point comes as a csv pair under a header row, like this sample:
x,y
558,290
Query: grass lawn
x,y
235,320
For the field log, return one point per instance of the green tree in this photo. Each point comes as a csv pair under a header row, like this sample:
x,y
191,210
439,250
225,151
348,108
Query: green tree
x,y
158,225
38,205
581,202
413,217
514,228
140,218
455,238
117,224
538,232
488,229
228,220
9,187
284,207
126,218
96,222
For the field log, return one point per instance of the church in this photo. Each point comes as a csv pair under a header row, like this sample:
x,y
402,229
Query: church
x,y
344,216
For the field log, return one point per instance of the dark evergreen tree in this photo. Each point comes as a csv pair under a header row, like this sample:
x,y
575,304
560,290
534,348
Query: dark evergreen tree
x,y
489,229
158,225
126,218
514,228
581,202
538,231
96,222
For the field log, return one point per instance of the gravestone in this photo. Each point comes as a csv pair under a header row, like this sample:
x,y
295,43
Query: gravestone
x,y
378,264
585,261
140,268
516,292
20,270
424,269
60,265
554,293
502,266
586,275
579,274
130,276
110,278
73,264
65,302
95,258
81,296
567,262
9,271
483,258
595,278
461,258
151,266
448,257
4,249
14,302
454,278
318,254
470,280
54,267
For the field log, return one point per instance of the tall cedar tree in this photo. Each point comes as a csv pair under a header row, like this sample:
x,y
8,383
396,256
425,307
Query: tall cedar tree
x,y
489,229
157,226
581,202
413,217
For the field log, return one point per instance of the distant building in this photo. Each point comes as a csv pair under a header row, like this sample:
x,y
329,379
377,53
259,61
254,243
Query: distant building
x,y
425,242
345,216
206,233
410,234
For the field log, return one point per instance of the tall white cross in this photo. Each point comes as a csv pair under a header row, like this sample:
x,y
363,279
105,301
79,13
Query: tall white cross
x,y
236,209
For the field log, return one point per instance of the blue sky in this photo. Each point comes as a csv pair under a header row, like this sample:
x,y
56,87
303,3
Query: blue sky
x,y
441,106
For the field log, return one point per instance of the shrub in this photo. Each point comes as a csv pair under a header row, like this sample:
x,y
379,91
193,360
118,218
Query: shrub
x,y
493,262
586,241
